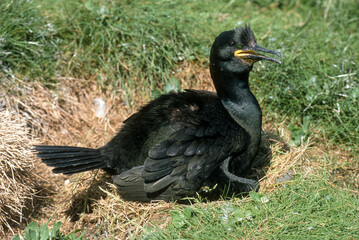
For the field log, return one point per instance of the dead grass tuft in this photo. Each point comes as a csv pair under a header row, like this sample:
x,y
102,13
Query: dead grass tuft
x,y
125,220
17,186
283,158
66,117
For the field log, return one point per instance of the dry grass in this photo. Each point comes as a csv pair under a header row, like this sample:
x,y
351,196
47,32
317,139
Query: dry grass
x,y
67,117
194,76
119,219
16,162
283,158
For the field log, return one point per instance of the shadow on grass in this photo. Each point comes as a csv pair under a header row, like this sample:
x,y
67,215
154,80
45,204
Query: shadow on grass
x,y
83,201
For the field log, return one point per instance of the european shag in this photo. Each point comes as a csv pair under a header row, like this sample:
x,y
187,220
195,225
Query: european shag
x,y
179,142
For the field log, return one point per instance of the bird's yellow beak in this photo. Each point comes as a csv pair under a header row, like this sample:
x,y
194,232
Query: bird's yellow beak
x,y
243,54
251,56
247,56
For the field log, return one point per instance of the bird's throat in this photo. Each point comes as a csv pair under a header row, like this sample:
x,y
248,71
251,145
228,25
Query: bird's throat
x,y
246,112
232,88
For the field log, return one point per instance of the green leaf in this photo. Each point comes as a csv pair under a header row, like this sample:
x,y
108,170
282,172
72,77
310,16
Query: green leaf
x,y
32,226
255,196
239,215
55,229
187,212
44,232
178,219
32,234
31,231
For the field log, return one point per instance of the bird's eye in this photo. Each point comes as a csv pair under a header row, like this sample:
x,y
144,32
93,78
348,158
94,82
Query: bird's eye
x,y
232,43
239,46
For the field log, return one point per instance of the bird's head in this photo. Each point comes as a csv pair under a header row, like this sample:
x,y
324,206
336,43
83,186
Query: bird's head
x,y
236,51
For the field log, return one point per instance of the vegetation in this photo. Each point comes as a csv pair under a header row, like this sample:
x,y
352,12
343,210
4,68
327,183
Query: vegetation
x,y
33,231
27,45
299,210
136,48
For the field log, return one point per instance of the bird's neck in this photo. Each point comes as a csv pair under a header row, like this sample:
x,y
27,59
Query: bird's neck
x,y
242,105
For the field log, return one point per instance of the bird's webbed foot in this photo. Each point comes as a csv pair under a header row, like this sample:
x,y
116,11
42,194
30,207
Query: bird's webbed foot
x,y
239,184
229,184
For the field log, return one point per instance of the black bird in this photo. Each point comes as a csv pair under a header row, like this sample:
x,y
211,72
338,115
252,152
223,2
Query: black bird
x,y
179,142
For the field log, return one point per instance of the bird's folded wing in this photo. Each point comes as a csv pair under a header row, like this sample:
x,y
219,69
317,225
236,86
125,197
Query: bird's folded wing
x,y
187,157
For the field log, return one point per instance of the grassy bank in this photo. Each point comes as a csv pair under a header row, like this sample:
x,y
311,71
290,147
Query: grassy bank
x,y
136,48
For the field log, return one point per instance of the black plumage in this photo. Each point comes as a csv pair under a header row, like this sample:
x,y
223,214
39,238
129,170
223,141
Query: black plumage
x,y
181,142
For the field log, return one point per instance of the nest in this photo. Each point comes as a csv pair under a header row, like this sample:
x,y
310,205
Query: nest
x,y
16,161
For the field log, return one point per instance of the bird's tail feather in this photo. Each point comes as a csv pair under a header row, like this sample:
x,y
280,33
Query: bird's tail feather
x,y
69,160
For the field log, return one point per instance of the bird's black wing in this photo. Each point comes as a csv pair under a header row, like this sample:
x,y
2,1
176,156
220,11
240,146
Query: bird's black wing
x,y
182,162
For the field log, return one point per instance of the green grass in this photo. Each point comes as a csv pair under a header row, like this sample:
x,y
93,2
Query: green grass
x,y
299,210
27,45
135,46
